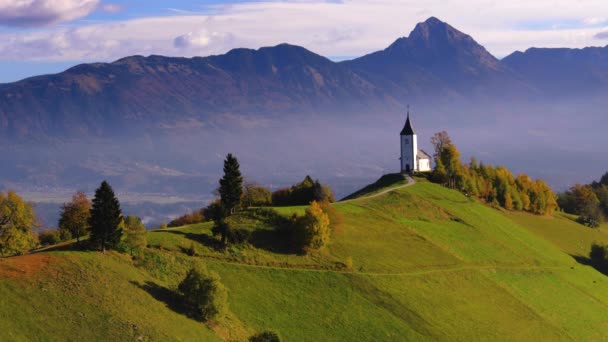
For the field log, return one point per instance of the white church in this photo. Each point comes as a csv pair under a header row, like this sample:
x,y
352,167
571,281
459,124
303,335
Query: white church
x,y
412,158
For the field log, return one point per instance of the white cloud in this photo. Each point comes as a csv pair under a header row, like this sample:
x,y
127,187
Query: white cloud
x,y
112,8
595,21
350,28
191,39
201,41
43,12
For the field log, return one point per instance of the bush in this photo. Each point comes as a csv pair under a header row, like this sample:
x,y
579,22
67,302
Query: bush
x,y
317,226
49,237
187,219
599,255
303,193
348,263
311,231
255,195
336,220
204,295
239,236
266,336
591,216
223,229
135,235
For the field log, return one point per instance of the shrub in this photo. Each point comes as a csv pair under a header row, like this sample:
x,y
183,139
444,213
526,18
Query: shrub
x,y
223,229
215,211
311,231
255,195
303,193
599,255
336,220
65,234
191,251
591,216
49,237
266,336
239,236
187,219
348,263
204,295
135,235
317,226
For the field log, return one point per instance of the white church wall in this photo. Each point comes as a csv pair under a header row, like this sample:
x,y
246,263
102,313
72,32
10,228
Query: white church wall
x,y
408,146
424,165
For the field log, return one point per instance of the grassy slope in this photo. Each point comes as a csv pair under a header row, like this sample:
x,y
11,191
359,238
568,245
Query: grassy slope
x,y
385,182
83,296
428,263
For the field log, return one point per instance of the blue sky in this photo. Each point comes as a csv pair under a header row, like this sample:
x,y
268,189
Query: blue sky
x,y
47,36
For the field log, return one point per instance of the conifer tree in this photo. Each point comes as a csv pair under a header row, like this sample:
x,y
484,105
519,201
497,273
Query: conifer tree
x,y
231,185
106,218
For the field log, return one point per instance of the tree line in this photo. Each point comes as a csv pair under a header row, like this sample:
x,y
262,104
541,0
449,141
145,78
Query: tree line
x,y
495,185
303,233
100,219
588,201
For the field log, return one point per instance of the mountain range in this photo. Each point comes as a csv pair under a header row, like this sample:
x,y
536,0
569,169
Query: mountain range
x,y
436,62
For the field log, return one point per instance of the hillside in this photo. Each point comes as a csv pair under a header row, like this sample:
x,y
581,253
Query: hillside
x,y
427,263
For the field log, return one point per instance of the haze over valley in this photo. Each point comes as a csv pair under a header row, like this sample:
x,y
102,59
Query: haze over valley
x,y
161,125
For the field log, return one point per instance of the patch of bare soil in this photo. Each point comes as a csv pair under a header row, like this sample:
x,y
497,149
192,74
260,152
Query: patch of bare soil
x,y
24,265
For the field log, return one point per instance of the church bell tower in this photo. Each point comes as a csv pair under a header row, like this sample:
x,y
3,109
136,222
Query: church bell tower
x,y
409,147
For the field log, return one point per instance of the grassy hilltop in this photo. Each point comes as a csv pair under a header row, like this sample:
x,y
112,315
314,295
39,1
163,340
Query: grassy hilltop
x,y
427,263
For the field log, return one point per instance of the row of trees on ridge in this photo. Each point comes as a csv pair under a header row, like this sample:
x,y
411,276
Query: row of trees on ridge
x,y
308,232
589,202
494,185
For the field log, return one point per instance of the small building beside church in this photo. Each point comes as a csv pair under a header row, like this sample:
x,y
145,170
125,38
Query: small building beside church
x,y
412,158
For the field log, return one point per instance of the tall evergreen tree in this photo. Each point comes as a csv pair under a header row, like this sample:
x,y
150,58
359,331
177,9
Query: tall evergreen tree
x,y
231,185
106,218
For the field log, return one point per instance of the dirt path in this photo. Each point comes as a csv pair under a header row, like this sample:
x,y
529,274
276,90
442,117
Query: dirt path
x,y
410,182
454,268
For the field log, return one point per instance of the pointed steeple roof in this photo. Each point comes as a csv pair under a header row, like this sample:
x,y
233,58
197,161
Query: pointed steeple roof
x,y
407,129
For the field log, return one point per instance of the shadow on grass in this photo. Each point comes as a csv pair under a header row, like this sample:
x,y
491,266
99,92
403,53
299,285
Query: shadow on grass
x,y
384,182
170,298
204,239
276,239
65,247
600,267
272,241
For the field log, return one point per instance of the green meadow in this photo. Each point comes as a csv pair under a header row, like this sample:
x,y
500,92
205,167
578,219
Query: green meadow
x,y
428,263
